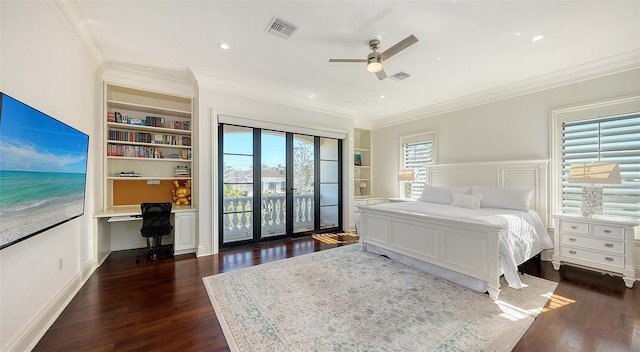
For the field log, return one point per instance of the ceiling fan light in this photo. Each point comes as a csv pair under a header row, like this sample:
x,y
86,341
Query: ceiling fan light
x,y
374,65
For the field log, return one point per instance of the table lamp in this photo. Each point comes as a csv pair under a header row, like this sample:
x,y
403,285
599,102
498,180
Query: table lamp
x,y
406,175
595,174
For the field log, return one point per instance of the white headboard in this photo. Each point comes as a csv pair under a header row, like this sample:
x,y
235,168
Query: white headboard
x,y
530,174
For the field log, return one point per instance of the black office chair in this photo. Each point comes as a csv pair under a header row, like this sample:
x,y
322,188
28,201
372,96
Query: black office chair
x,y
156,222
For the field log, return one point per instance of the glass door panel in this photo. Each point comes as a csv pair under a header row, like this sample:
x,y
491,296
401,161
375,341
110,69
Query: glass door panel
x,y
303,183
273,184
329,183
237,198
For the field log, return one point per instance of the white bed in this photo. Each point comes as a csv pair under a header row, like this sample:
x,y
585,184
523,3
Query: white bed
x,y
466,243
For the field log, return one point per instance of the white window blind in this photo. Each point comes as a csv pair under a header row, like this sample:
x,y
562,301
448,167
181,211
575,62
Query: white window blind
x,y
416,154
607,139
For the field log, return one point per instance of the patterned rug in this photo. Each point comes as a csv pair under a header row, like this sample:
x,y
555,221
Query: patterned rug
x,y
344,299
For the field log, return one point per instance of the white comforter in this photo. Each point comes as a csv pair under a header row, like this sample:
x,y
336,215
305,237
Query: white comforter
x,y
525,237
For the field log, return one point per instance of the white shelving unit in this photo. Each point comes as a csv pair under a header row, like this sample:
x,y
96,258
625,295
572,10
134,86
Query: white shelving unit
x,y
362,168
148,133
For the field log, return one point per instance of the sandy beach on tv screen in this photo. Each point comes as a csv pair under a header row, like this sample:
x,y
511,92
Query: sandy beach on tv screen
x,y
19,224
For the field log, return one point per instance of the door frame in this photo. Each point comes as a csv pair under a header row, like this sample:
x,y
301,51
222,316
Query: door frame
x,y
289,179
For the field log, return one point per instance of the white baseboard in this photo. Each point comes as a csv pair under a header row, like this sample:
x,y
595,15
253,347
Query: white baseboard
x,y
201,251
29,336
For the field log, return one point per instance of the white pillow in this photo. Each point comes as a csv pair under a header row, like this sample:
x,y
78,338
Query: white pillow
x,y
471,201
442,195
504,198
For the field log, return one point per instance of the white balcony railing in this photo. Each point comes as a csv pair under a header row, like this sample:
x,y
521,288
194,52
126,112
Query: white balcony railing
x,y
238,217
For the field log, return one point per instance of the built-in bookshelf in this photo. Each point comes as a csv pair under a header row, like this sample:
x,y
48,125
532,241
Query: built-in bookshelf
x,y
148,144
362,163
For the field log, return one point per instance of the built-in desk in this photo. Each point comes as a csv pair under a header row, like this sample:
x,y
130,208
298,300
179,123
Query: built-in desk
x,y
118,228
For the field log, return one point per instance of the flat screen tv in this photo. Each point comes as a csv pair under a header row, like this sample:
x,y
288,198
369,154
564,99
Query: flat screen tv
x,y
43,171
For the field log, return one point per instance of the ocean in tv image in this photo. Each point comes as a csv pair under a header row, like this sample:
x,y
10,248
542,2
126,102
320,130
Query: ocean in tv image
x,y
43,169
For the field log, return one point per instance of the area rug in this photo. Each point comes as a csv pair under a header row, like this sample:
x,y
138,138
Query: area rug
x,y
345,299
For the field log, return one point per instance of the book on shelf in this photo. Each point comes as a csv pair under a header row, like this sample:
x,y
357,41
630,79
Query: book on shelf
x,y
182,125
134,121
186,154
133,151
129,174
155,121
181,171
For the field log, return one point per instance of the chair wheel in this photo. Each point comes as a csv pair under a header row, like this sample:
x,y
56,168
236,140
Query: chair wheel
x,y
137,259
153,257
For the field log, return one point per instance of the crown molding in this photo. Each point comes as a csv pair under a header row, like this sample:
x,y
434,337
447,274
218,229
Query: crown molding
x,y
271,94
614,64
362,124
77,25
167,83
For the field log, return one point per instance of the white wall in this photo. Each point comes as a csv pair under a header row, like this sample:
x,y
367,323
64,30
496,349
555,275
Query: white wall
x,y
212,102
42,66
510,129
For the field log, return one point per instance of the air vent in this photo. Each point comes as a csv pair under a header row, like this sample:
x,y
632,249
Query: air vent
x,y
281,28
400,76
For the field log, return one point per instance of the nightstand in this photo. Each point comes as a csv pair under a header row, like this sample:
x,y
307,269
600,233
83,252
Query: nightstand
x,y
601,242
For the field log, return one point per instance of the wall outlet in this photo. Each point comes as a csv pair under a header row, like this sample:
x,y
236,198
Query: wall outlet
x,y
60,264
153,182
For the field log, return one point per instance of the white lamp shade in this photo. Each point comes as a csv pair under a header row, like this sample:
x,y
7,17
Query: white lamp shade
x,y
595,173
362,185
406,175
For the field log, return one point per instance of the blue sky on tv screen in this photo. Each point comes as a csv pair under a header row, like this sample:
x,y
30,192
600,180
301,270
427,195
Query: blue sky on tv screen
x,y
33,141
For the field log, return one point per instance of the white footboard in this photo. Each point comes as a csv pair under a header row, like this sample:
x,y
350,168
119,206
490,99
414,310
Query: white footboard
x,y
466,247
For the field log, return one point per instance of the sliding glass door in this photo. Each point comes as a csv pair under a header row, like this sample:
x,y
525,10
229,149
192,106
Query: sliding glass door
x,y
276,184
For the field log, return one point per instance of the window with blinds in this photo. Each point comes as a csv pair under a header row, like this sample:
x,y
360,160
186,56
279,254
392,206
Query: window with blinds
x,y
416,154
605,139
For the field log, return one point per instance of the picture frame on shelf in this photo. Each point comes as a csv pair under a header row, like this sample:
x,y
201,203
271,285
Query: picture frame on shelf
x,y
357,160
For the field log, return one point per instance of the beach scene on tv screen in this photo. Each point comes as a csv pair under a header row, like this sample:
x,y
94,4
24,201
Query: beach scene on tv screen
x,y
43,165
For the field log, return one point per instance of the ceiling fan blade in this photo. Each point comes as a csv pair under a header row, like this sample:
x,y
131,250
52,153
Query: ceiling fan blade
x,y
347,60
381,74
401,45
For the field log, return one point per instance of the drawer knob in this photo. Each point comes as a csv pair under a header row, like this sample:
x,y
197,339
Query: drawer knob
x,y
608,245
574,227
572,239
572,252
608,259
607,231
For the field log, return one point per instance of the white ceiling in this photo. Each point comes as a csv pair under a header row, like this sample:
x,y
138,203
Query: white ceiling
x,y
468,51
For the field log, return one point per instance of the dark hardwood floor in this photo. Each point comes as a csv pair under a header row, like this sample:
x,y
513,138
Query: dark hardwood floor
x,y
164,306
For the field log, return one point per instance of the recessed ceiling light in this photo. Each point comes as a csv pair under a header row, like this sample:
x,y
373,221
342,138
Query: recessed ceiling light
x,y
438,58
381,96
224,46
537,37
518,34
311,95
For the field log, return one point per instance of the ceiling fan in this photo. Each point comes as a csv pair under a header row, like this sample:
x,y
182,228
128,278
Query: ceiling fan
x,y
374,59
